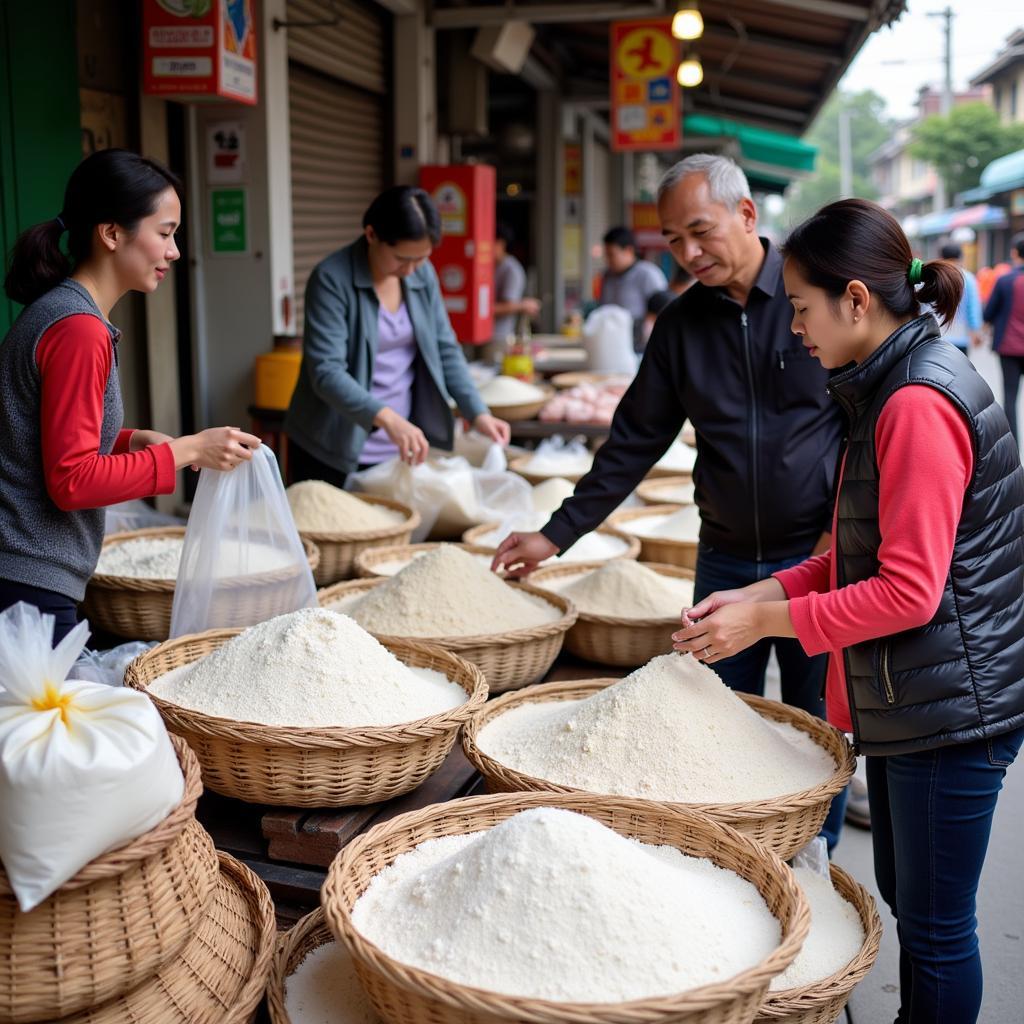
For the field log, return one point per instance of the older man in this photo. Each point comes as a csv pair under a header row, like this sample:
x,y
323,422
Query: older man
x,y
768,435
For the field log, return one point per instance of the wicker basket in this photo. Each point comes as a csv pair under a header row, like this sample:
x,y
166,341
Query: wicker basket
x,y
339,551
403,994
309,767
115,923
614,640
220,976
823,1002
520,465
367,562
574,378
783,824
523,410
294,946
652,492
508,660
475,535
140,609
657,549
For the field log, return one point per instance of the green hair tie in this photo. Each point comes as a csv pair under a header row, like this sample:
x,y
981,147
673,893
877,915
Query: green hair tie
x,y
914,274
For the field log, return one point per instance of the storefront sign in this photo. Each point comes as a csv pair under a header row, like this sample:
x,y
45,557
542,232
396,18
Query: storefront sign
x,y
645,104
646,226
229,234
225,153
195,49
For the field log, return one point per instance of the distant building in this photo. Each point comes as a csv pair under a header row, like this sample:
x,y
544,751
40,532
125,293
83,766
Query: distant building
x,y
1005,76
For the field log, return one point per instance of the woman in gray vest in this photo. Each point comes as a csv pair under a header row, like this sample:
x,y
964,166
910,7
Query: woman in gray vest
x,y
64,454
380,362
920,601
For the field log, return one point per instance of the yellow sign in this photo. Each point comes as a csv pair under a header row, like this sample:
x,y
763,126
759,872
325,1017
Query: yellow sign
x,y
645,104
646,52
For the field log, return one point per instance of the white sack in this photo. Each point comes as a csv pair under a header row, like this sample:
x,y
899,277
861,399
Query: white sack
x,y
608,338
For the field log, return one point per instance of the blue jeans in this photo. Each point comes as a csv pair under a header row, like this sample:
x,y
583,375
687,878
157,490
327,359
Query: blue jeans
x,y
931,816
803,678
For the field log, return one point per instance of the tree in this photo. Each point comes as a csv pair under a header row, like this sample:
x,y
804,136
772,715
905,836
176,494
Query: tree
x,y
963,143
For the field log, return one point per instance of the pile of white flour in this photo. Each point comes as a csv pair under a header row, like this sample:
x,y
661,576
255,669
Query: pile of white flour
x,y
312,668
625,589
681,525
680,458
446,593
671,730
394,566
549,495
324,989
502,390
835,937
157,558
319,507
553,905
567,462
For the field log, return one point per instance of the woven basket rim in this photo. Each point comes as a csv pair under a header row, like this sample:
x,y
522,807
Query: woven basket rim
x,y
627,515
464,673
411,521
148,585
786,803
433,986
117,860
647,489
307,934
461,643
517,407
631,540
538,576
371,557
561,382
518,465
784,1002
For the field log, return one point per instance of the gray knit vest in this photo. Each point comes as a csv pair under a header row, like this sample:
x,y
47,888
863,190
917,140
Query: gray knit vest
x,y
959,677
40,545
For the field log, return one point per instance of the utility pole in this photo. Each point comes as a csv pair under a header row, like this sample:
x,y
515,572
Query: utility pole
x,y
941,200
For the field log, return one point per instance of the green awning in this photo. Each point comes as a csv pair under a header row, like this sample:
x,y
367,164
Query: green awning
x,y
1002,175
770,158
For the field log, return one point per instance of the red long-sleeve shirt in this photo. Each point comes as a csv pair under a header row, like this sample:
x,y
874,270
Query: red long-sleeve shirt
x,y
74,360
925,464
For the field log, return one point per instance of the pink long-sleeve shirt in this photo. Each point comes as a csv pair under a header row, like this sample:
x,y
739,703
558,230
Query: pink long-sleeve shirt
x,y
925,464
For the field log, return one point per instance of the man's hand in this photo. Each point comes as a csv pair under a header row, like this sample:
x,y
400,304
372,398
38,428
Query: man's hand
x,y
521,553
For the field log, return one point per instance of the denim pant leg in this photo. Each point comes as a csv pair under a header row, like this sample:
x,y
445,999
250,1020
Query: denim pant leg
x,y
931,820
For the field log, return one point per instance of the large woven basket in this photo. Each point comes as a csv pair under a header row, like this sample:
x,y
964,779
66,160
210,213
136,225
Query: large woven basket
x,y
615,640
823,1001
310,767
220,976
783,824
508,660
657,549
339,551
403,994
652,492
368,561
293,947
520,465
115,923
140,609
476,535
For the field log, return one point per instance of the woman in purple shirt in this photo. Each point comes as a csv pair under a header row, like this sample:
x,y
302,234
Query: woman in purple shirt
x,y
380,362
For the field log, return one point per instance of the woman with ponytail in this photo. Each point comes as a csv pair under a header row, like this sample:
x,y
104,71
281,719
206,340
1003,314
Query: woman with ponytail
x,y
920,601
63,452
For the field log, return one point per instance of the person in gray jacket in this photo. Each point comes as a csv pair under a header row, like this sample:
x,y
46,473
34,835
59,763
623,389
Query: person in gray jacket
x,y
380,362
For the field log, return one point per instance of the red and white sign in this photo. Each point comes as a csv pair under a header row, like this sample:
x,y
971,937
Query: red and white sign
x,y
645,103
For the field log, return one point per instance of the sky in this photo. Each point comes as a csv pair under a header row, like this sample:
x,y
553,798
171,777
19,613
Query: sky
x,y
980,28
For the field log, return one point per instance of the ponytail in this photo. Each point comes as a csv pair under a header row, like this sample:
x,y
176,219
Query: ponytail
x,y
942,287
37,262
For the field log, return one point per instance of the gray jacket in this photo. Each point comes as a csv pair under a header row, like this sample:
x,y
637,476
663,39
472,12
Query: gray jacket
x,y
332,410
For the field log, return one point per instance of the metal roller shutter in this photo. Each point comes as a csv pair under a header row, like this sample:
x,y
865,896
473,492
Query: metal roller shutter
x,y
353,50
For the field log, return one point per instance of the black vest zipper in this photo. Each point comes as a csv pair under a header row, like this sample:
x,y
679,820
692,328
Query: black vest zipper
x,y
752,432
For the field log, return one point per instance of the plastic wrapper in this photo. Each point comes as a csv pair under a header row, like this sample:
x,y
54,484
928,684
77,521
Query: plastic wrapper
x,y
608,338
108,667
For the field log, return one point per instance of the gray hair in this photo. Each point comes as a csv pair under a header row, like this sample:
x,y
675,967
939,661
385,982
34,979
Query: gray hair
x,y
727,183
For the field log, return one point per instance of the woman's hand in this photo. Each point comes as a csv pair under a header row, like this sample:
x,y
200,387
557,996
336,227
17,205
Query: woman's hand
x,y
220,448
490,426
764,590
410,441
521,553
144,438
731,628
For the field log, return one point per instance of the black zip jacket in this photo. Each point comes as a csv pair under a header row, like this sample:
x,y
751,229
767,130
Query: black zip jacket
x,y
767,432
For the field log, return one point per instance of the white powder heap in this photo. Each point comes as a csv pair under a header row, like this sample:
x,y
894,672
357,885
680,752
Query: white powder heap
x,y
319,507
325,989
502,390
679,458
627,590
681,525
676,494
549,495
447,593
394,566
670,731
565,462
835,938
550,904
311,668
157,558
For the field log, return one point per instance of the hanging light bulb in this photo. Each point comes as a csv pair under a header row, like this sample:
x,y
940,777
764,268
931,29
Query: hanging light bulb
x,y
690,72
687,22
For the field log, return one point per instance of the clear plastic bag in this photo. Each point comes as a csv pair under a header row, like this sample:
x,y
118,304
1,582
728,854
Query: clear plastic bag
x,y
84,768
556,456
608,338
243,561
814,856
108,667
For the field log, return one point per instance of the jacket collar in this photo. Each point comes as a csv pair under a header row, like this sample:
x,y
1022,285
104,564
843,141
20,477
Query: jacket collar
x,y
362,278
854,388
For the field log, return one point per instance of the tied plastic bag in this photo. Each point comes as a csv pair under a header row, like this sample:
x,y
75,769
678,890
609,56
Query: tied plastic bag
x,y
556,456
108,667
450,494
243,561
608,338
84,768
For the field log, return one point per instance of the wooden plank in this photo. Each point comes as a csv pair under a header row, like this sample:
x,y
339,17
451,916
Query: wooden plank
x,y
294,886
234,825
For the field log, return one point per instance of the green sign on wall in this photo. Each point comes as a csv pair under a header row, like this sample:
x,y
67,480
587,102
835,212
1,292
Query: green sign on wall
x,y
228,226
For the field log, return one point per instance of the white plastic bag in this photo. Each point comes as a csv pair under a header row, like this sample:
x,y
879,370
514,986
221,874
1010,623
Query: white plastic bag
x,y
84,768
814,856
556,456
243,561
108,666
608,338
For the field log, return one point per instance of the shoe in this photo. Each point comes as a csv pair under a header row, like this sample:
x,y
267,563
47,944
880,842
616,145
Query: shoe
x,y
858,812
